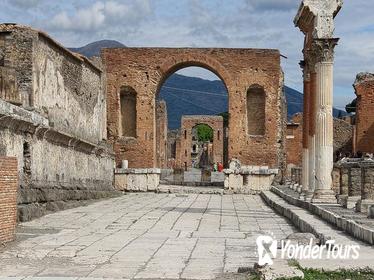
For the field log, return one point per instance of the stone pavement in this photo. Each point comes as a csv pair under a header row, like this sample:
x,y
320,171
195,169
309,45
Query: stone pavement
x,y
144,236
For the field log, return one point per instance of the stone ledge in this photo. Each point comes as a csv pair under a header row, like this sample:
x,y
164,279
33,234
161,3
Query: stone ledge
x,y
19,119
27,212
13,112
349,226
252,171
138,171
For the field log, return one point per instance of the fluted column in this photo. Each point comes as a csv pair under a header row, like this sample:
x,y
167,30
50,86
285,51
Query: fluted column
x,y
324,150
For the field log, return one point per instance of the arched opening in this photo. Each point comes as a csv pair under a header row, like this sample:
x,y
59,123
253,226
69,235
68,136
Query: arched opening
x,y
202,157
193,90
128,112
256,100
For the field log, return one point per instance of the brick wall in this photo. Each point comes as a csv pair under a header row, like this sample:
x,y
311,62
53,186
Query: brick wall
x,y
364,86
294,141
8,198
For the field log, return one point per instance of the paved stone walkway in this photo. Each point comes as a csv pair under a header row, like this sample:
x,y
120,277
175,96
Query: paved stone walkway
x,y
144,236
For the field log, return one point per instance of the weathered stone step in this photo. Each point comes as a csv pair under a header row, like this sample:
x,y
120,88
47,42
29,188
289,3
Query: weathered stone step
x,y
301,218
349,226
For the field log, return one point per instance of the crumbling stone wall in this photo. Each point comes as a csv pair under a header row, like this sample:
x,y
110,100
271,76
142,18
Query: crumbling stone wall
x,y
161,134
8,198
145,70
364,87
57,131
343,135
64,87
187,124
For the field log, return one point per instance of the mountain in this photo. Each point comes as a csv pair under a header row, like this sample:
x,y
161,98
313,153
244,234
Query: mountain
x,y
196,96
94,48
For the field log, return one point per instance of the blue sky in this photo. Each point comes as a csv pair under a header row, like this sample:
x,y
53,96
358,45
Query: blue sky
x,y
205,23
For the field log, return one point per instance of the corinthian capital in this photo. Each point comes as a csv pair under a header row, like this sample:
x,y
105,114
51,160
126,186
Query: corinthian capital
x,y
323,49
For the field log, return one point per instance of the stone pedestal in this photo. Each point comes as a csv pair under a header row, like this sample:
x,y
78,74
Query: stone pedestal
x,y
249,179
371,212
137,180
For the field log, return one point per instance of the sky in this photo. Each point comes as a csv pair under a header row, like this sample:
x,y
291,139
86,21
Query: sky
x,y
205,23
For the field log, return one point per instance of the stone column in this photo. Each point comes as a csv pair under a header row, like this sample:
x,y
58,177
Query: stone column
x,y
306,117
324,50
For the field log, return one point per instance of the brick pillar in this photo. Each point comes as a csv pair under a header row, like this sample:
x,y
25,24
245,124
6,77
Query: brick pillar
x,y
312,131
8,198
305,172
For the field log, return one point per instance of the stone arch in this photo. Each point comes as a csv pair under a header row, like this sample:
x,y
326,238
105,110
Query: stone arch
x,y
174,64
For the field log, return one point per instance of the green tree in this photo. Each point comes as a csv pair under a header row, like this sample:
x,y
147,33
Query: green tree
x,y
351,107
204,133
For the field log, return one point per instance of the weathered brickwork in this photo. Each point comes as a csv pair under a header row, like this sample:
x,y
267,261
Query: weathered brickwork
x,y
145,70
187,124
294,142
57,130
364,87
162,134
8,198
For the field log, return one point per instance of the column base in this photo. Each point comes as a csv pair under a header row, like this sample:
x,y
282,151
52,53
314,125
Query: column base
x,y
324,197
309,196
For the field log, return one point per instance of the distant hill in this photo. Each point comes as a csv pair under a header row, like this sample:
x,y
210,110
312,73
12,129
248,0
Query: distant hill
x,y
195,96
94,48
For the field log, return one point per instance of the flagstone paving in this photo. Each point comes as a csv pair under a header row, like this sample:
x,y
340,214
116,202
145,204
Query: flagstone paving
x,y
144,236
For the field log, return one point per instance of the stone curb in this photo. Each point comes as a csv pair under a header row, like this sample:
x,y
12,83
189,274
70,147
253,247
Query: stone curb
x,y
293,216
349,226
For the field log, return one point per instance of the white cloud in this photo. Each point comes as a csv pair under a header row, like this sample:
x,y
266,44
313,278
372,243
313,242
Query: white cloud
x,y
272,4
100,15
25,4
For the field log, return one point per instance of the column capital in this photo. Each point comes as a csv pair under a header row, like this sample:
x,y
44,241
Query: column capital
x,y
323,49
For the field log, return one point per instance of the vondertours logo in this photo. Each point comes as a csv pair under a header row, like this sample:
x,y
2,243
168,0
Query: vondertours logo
x,y
268,249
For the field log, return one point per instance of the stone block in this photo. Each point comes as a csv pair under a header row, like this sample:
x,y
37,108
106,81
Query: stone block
x,y
120,182
153,181
235,182
363,206
352,201
371,212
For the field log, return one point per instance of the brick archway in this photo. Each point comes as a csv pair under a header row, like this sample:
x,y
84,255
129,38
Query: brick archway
x,y
183,153
172,65
146,69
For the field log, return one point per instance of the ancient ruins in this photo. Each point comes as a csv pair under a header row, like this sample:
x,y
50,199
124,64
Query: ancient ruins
x,y
74,130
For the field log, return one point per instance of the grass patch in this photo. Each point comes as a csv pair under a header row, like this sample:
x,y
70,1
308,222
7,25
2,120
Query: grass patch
x,y
312,274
